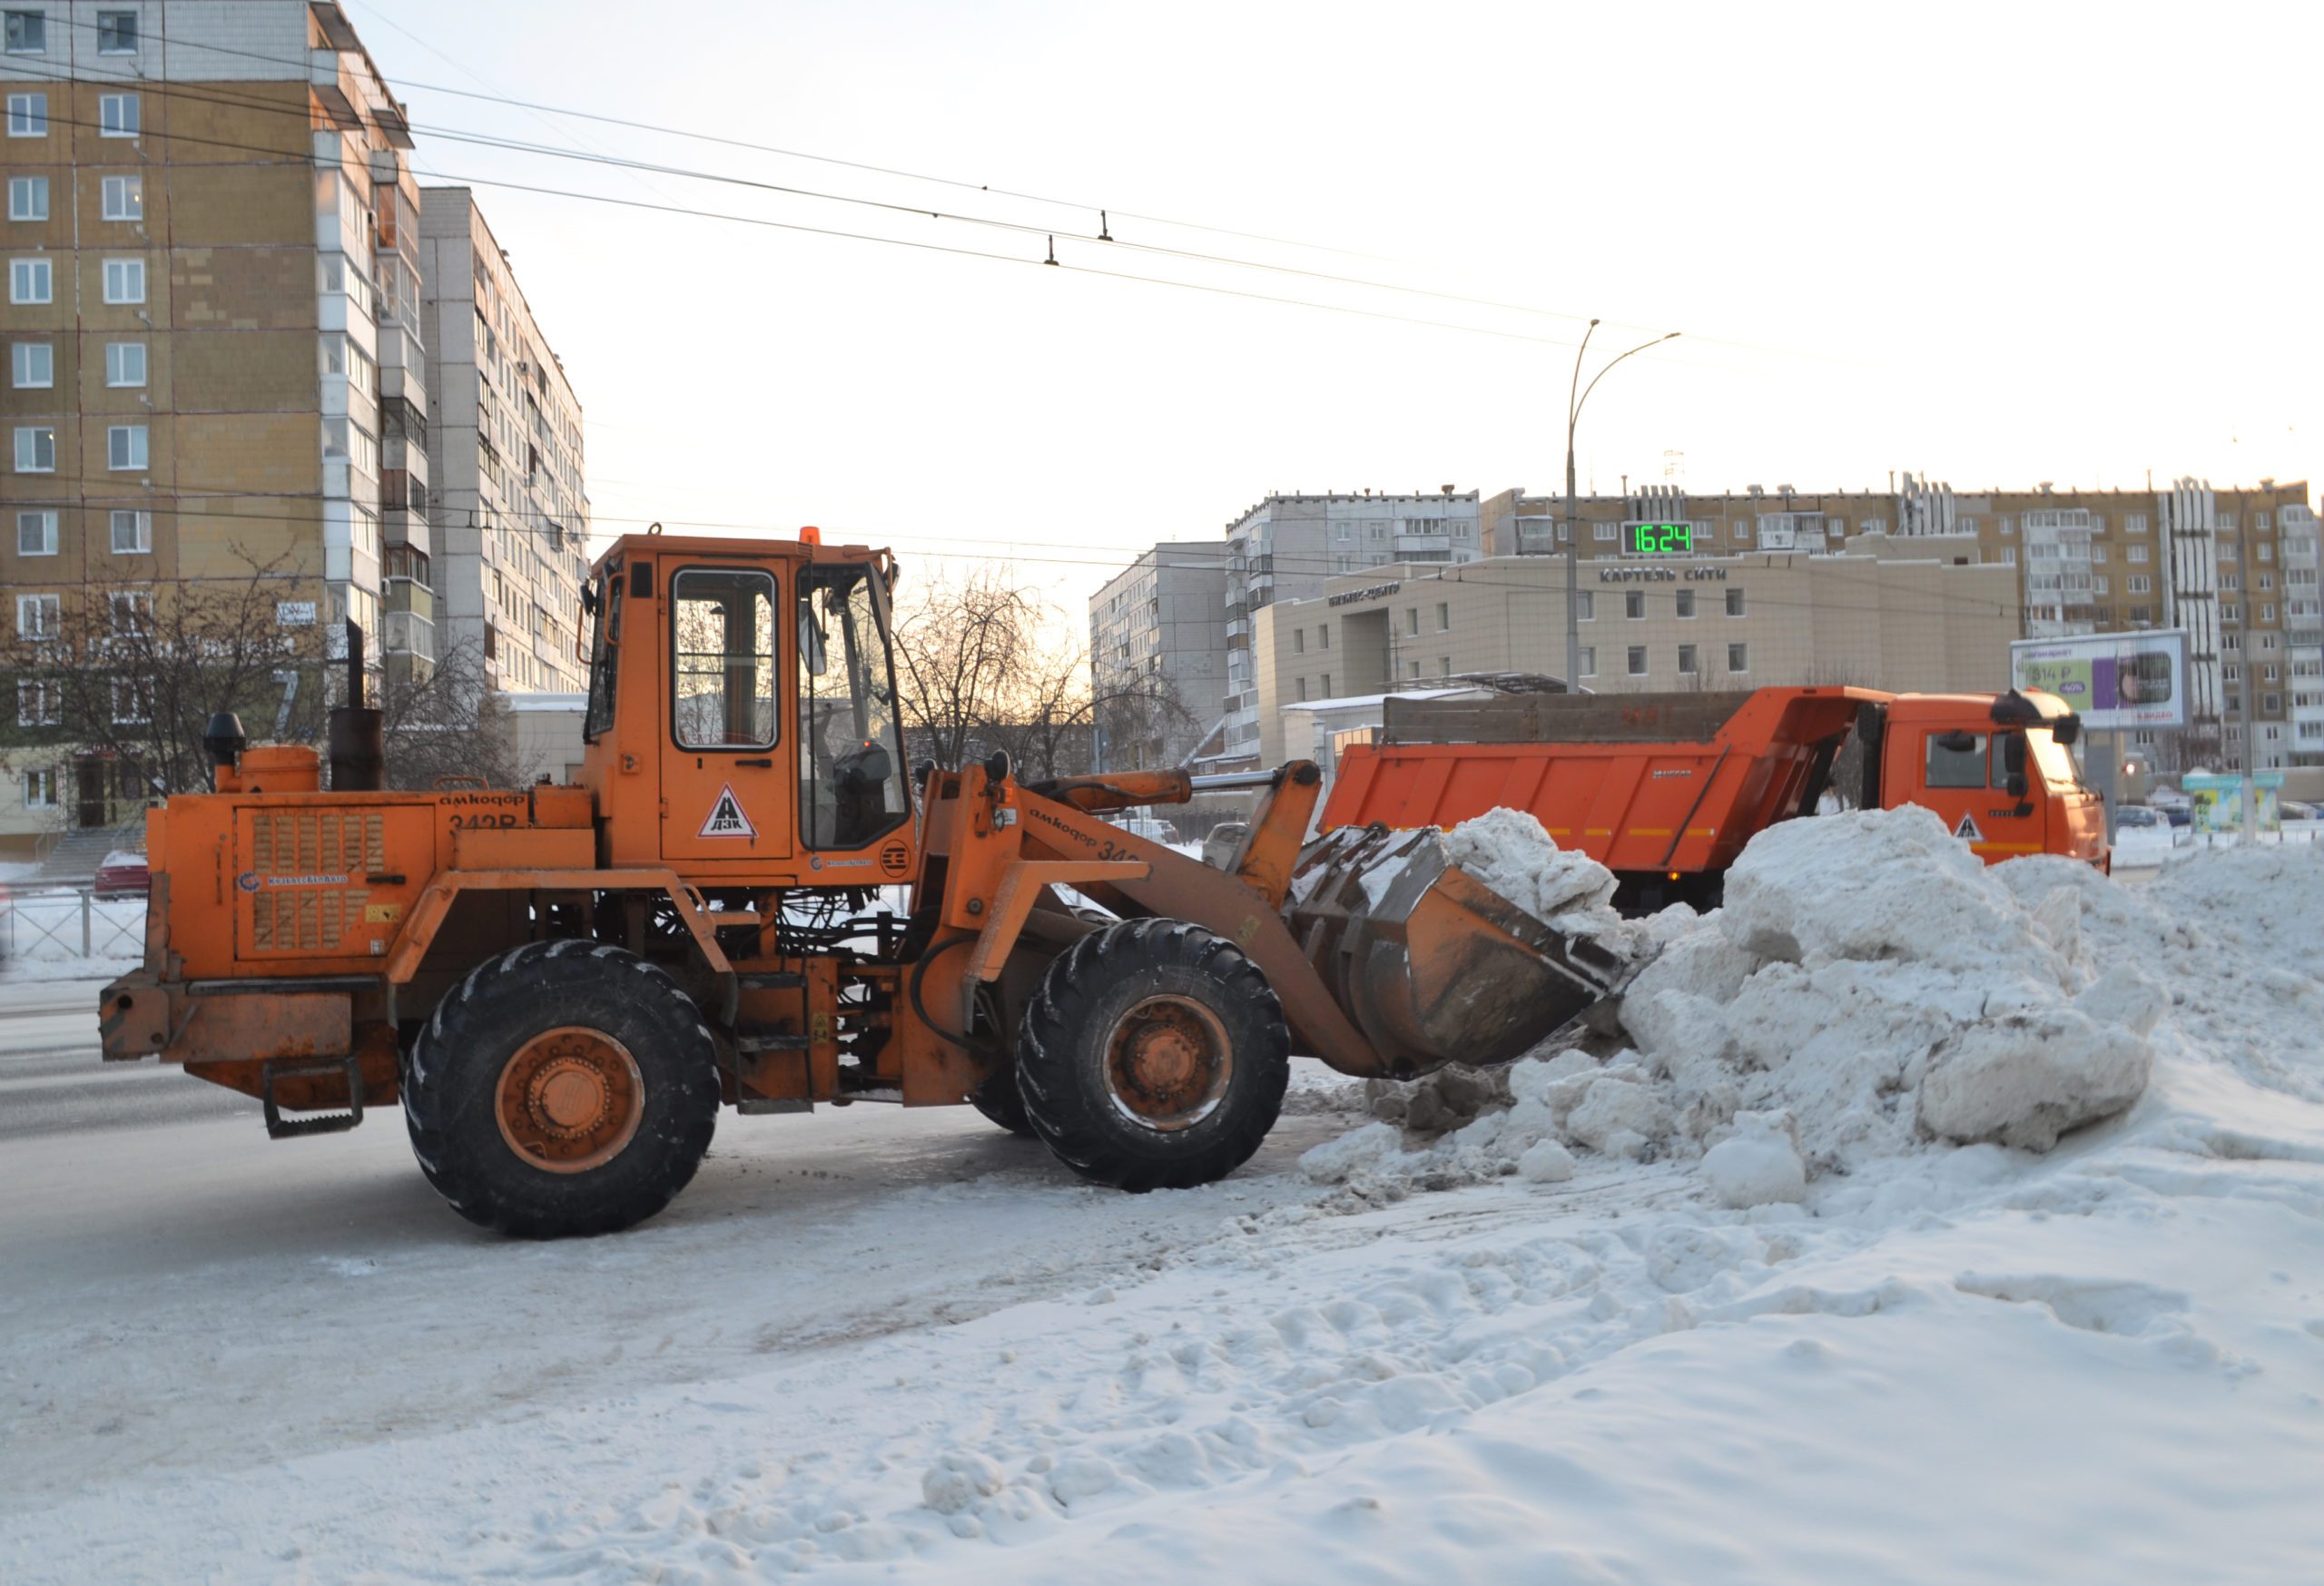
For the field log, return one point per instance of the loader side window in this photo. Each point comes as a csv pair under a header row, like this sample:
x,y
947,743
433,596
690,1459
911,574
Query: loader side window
x,y
722,672
851,788
1957,760
605,654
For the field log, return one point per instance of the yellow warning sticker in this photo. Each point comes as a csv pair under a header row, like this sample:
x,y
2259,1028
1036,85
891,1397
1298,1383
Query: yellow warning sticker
x,y
383,913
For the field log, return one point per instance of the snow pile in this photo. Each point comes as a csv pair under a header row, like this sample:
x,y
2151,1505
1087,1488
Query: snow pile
x,y
1870,990
1510,851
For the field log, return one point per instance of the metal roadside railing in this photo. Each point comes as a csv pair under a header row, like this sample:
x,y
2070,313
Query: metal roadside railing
x,y
62,923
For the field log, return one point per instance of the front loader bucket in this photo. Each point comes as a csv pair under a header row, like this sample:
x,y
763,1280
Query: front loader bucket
x,y
1432,965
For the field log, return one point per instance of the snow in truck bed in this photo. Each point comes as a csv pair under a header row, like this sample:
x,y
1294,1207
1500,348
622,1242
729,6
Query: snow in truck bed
x,y
1518,1327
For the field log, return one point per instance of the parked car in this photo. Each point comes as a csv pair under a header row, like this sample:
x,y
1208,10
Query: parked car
x,y
2294,809
2137,817
122,875
1151,828
1218,848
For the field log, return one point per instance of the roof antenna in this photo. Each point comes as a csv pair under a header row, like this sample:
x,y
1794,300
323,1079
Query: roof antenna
x,y
1052,258
1104,231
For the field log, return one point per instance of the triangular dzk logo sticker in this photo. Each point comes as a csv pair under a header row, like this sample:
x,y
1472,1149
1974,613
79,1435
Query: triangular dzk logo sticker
x,y
726,817
1967,830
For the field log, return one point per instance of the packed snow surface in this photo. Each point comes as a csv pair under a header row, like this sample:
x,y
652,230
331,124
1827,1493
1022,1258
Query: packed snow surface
x,y
1721,1297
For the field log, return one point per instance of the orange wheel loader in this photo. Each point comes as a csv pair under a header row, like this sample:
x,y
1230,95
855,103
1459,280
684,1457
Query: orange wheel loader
x,y
746,901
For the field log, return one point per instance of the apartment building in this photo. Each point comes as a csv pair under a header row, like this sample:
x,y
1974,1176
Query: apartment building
x,y
211,321
1878,612
511,513
2237,568
1158,656
1285,547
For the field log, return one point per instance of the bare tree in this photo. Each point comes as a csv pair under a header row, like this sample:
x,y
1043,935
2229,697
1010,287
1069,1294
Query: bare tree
x,y
440,725
987,663
131,674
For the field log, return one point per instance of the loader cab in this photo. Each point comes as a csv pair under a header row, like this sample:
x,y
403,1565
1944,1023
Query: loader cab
x,y
1999,771
742,725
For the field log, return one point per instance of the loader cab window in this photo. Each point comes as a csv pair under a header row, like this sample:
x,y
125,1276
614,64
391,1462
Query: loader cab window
x,y
605,642
1957,760
852,785
722,661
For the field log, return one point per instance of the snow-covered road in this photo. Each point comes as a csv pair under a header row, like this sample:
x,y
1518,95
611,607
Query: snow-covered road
x,y
875,1344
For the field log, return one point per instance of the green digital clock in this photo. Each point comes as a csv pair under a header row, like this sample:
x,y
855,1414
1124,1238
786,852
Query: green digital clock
x,y
1658,539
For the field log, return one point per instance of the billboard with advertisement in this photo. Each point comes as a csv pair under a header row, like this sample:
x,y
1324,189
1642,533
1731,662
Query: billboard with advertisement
x,y
2113,680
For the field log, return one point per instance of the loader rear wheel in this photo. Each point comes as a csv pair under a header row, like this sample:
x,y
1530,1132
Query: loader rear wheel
x,y
563,1087
1153,1056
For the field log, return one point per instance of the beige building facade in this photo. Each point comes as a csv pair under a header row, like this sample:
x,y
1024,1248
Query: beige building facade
x,y
211,324
1882,612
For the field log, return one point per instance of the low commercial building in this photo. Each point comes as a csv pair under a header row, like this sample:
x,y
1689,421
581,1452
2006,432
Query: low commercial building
x,y
1884,612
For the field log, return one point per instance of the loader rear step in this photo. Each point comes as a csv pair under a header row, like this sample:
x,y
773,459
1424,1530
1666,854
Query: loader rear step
x,y
348,1069
765,1037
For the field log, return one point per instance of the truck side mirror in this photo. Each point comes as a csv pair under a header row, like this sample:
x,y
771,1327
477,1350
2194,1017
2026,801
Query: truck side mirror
x,y
2012,753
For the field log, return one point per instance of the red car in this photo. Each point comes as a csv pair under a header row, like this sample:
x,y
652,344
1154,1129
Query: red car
x,y
122,875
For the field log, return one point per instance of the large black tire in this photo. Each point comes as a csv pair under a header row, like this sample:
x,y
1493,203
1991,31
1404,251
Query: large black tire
x,y
998,1100
1153,1056
562,1089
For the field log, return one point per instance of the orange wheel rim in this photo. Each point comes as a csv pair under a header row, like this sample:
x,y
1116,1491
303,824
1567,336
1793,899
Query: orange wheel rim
x,y
569,1099
1168,1063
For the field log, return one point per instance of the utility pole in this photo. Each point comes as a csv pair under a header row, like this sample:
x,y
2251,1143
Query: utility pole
x,y
1573,403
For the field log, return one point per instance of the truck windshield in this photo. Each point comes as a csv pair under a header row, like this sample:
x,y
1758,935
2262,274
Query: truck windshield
x,y
2058,765
852,785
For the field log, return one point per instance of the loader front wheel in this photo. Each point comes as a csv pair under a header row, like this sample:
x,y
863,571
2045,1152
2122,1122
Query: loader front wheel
x,y
562,1089
1153,1056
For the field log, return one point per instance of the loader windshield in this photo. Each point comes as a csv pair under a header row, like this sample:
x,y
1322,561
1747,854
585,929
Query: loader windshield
x,y
851,753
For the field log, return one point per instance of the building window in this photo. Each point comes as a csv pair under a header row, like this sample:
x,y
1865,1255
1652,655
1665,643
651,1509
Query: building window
x,y
2230,614
117,115
28,115
2100,585
1634,603
40,789
133,533
2137,584
124,363
1685,661
2008,525
132,702
32,366
1686,603
2135,554
124,280
36,534
30,280
1327,686
1443,616
1735,603
1412,619
2098,556
2135,523
35,449
1298,641
123,198
126,447
2265,550
1742,530
1605,531
1590,660
129,612
39,703
1637,660
1323,635
1964,526
2009,555
1445,665
39,616
28,32
116,33
1303,691
1739,657
28,198
1587,606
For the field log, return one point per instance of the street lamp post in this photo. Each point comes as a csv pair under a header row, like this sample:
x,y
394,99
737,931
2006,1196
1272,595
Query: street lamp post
x,y
1572,536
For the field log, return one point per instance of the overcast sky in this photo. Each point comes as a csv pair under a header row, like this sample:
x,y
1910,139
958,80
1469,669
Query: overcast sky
x,y
1992,245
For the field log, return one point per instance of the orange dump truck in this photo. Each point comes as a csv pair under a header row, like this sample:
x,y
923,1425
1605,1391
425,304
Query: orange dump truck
x,y
1665,789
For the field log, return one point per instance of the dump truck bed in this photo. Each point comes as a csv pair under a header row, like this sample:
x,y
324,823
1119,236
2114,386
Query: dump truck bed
x,y
1654,782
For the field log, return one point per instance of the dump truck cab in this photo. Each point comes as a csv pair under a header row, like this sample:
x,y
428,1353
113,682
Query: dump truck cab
x,y
2000,771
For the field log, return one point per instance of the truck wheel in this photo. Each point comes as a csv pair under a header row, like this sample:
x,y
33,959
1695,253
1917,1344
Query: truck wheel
x,y
565,1088
997,1097
1153,1056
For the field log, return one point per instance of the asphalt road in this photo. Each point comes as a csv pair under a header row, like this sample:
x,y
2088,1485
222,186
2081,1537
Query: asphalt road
x,y
53,1081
